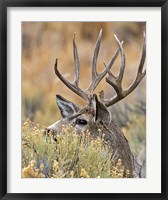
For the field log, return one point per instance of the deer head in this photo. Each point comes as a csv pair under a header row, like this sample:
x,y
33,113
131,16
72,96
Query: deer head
x,y
96,110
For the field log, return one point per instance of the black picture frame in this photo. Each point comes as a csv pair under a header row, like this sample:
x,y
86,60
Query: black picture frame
x,y
4,4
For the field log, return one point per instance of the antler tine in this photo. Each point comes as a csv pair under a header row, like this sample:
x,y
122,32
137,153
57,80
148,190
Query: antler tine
x,y
140,73
108,67
122,68
71,86
95,56
115,82
76,61
97,77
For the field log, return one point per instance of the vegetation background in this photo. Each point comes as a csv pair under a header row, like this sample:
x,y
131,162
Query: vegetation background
x,y
42,42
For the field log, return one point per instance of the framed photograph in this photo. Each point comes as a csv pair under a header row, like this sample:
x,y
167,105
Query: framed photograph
x,y
83,99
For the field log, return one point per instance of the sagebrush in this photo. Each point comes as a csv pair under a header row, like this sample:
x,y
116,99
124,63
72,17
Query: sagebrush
x,y
68,155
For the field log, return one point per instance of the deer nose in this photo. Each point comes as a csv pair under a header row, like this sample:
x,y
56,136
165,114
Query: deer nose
x,y
48,131
51,133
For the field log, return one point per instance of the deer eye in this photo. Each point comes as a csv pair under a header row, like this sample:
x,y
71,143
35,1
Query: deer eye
x,y
81,121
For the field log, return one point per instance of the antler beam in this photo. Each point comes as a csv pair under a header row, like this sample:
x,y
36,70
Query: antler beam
x,y
72,86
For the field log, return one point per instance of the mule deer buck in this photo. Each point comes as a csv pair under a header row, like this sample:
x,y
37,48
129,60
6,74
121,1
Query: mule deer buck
x,y
95,115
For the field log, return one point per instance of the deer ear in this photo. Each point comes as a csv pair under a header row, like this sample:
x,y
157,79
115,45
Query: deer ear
x,y
102,114
66,107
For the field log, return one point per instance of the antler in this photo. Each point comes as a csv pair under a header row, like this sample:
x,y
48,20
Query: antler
x,y
96,77
75,85
116,82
